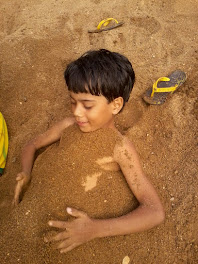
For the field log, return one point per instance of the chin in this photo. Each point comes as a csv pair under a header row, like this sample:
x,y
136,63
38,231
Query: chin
x,y
85,129
88,129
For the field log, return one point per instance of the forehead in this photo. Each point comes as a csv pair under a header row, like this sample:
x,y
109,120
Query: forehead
x,y
87,97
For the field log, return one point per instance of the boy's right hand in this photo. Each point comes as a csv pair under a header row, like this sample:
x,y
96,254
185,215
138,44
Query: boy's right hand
x,y
22,182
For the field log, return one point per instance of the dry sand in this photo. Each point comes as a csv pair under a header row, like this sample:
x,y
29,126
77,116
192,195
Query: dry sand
x,y
37,39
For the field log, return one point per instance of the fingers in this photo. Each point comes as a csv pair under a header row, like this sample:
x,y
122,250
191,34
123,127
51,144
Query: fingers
x,y
68,248
17,194
66,245
75,212
18,189
58,237
58,224
71,236
15,201
22,180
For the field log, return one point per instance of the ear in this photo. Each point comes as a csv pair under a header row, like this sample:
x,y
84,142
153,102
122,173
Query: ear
x,y
117,105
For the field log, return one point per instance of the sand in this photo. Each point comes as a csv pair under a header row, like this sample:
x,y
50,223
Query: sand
x,y
63,177
37,40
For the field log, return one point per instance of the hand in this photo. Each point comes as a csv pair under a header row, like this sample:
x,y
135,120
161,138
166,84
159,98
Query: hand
x,y
75,233
22,182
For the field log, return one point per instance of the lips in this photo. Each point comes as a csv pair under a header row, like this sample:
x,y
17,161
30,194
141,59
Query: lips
x,y
80,123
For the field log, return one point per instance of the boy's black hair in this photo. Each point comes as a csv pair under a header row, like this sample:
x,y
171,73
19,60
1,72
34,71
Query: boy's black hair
x,y
101,72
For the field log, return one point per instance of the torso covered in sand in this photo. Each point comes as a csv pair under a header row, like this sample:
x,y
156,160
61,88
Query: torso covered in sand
x,y
78,172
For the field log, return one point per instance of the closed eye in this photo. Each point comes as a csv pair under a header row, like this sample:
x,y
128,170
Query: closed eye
x,y
88,107
73,102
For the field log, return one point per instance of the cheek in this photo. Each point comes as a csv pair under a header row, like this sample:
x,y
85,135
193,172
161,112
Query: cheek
x,y
99,115
73,106
92,115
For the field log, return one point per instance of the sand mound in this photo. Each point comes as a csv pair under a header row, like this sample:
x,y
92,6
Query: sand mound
x,y
67,175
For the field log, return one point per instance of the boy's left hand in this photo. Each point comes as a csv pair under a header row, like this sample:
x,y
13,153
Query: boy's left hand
x,y
75,233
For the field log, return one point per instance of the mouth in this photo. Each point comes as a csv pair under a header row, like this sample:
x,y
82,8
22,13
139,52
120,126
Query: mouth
x,y
81,124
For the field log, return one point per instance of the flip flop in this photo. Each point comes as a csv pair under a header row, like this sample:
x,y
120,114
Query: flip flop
x,y
102,26
163,87
3,143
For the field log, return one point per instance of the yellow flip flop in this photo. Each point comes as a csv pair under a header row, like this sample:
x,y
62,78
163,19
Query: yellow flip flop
x,y
3,143
163,87
106,24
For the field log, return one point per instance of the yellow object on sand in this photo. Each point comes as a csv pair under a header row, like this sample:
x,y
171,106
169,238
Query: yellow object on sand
x,y
106,24
3,143
163,90
163,87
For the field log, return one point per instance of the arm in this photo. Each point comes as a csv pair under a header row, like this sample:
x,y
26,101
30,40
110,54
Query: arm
x,y
28,153
149,213
47,138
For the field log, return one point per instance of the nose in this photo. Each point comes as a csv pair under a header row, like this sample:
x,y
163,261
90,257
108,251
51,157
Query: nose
x,y
77,110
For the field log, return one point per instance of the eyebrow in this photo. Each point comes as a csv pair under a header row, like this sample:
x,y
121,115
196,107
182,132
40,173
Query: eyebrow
x,y
83,100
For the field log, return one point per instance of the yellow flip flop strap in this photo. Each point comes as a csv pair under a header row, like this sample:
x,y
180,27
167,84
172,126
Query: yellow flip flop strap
x,y
105,22
163,90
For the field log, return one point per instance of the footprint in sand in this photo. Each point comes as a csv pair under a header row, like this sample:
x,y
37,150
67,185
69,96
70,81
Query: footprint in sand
x,y
149,24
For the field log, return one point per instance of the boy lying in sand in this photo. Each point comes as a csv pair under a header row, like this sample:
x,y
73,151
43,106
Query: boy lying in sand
x,y
99,84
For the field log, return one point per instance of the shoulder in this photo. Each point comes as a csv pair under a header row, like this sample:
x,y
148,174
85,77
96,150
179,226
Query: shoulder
x,y
124,148
126,155
60,126
66,122
53,134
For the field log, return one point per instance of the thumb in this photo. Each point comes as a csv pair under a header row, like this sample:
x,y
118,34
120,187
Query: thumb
x,y
75,212
19,177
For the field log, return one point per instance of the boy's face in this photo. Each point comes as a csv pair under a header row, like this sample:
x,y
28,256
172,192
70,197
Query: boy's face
x,y
92,112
